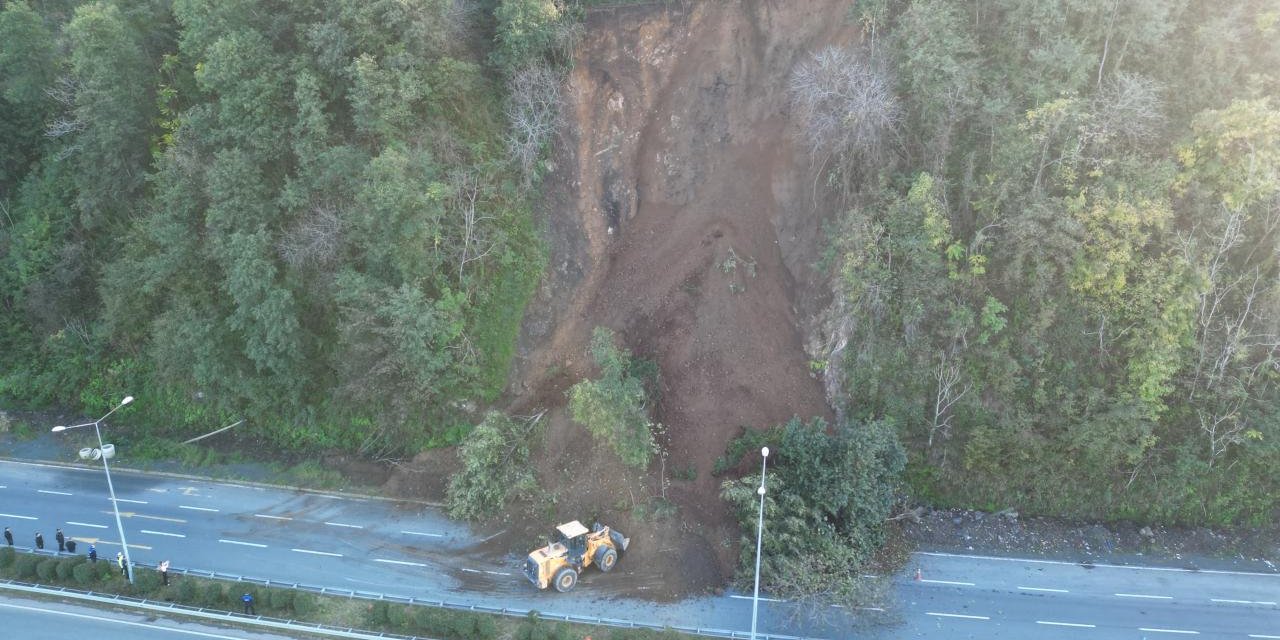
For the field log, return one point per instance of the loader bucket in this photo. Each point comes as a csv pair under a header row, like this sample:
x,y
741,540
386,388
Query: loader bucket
x,y
620,541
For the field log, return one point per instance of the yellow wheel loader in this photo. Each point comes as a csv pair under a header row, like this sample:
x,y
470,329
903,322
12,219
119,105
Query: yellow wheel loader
x,y
572,549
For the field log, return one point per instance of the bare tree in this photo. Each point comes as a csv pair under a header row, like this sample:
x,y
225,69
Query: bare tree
x,y
533,113
949,391
1128,108
314,241
475,241
1223,428
846,105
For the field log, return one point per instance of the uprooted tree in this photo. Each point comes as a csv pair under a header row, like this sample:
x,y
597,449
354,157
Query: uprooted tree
x,y
614,407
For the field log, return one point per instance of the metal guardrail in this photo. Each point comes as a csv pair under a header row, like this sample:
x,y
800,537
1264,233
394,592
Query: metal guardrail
x,y
443,604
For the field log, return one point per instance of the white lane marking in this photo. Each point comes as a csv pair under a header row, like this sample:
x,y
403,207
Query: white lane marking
x,y
408,564
100,618
342,524
1142,595
939,554
761,599
318,553
56,493
497,573
183,506
162,533
14,515
1044,589
471,570
419,533
1231,601
86,524
869,608
1066,624
246,544
958,584
956,615
1259,635
3,486
132,501
263,515
1153,630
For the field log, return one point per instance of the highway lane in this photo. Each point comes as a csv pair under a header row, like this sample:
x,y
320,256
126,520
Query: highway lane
x,y
409,549
45,620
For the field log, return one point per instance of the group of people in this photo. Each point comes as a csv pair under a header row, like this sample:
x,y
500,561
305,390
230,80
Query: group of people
x,y
69,546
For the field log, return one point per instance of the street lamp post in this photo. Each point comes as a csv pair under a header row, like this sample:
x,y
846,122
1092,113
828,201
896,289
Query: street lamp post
x,y
104,452
755,600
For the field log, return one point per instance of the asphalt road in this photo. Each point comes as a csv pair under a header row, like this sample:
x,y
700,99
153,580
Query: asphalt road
x,y
412,550
42,620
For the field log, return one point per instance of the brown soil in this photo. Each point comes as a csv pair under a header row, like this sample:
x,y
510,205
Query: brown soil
x,y
679,214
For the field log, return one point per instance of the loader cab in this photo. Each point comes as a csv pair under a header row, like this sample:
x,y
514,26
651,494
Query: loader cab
x,y
574,538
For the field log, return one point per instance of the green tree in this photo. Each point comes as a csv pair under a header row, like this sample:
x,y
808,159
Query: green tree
x,y
495,467
614,407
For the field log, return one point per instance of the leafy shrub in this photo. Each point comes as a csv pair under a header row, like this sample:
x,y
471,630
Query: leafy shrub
x,y
213,595
7,555
84,574
280,599
377,613
495,467
47,569
304,604
535,628
187,592
146,581
66,566
399,616
106,570
25,566
462,625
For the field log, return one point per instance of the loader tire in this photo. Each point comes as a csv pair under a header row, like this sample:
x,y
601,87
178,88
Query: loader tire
x,y
565,578
606,558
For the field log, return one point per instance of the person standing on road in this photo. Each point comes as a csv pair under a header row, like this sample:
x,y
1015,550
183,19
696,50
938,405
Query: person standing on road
x,y
62,541
164,572
93,554
120,563
8,536
39,540
247,599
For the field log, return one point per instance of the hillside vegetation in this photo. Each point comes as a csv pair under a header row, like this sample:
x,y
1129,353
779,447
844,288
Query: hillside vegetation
x,y
1056,265
301,213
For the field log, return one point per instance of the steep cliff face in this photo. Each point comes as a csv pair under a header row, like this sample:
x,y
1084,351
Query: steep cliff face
x,y
681,213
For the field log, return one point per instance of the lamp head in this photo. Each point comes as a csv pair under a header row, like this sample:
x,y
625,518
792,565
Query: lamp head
x,y
764,452
58,429
127,400
760,491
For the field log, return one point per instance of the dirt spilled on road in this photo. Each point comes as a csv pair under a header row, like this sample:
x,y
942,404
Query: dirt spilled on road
x,y
680,213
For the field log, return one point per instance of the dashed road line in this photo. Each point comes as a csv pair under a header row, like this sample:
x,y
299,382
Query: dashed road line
x,y
408,564
1044,589
497,573
970,556
343,524
56,493
1182,631
271,517
163,533
958,584
86,524
183,506
1259,635
14,515
318,553
243,544
471,570
1066,624
132,501
421,533
1257,602
957,615
762,599
1142,595
134,514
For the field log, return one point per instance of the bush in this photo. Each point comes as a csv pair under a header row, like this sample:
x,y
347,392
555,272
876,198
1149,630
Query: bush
x,y
377,613
107,571
304,604
280,599
186,592
535,628
83,574
146,581
213,595
7,555
25,566
614,408
399,616
47,569
66,566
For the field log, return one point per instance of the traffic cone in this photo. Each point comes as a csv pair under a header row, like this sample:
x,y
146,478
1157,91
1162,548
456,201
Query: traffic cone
x,y
918,576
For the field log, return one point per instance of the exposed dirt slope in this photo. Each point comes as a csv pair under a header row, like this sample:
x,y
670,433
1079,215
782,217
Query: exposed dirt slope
x,y
680,214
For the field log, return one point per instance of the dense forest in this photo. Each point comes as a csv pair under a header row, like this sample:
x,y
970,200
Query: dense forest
x,y
1054,263
309,214
1056,268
